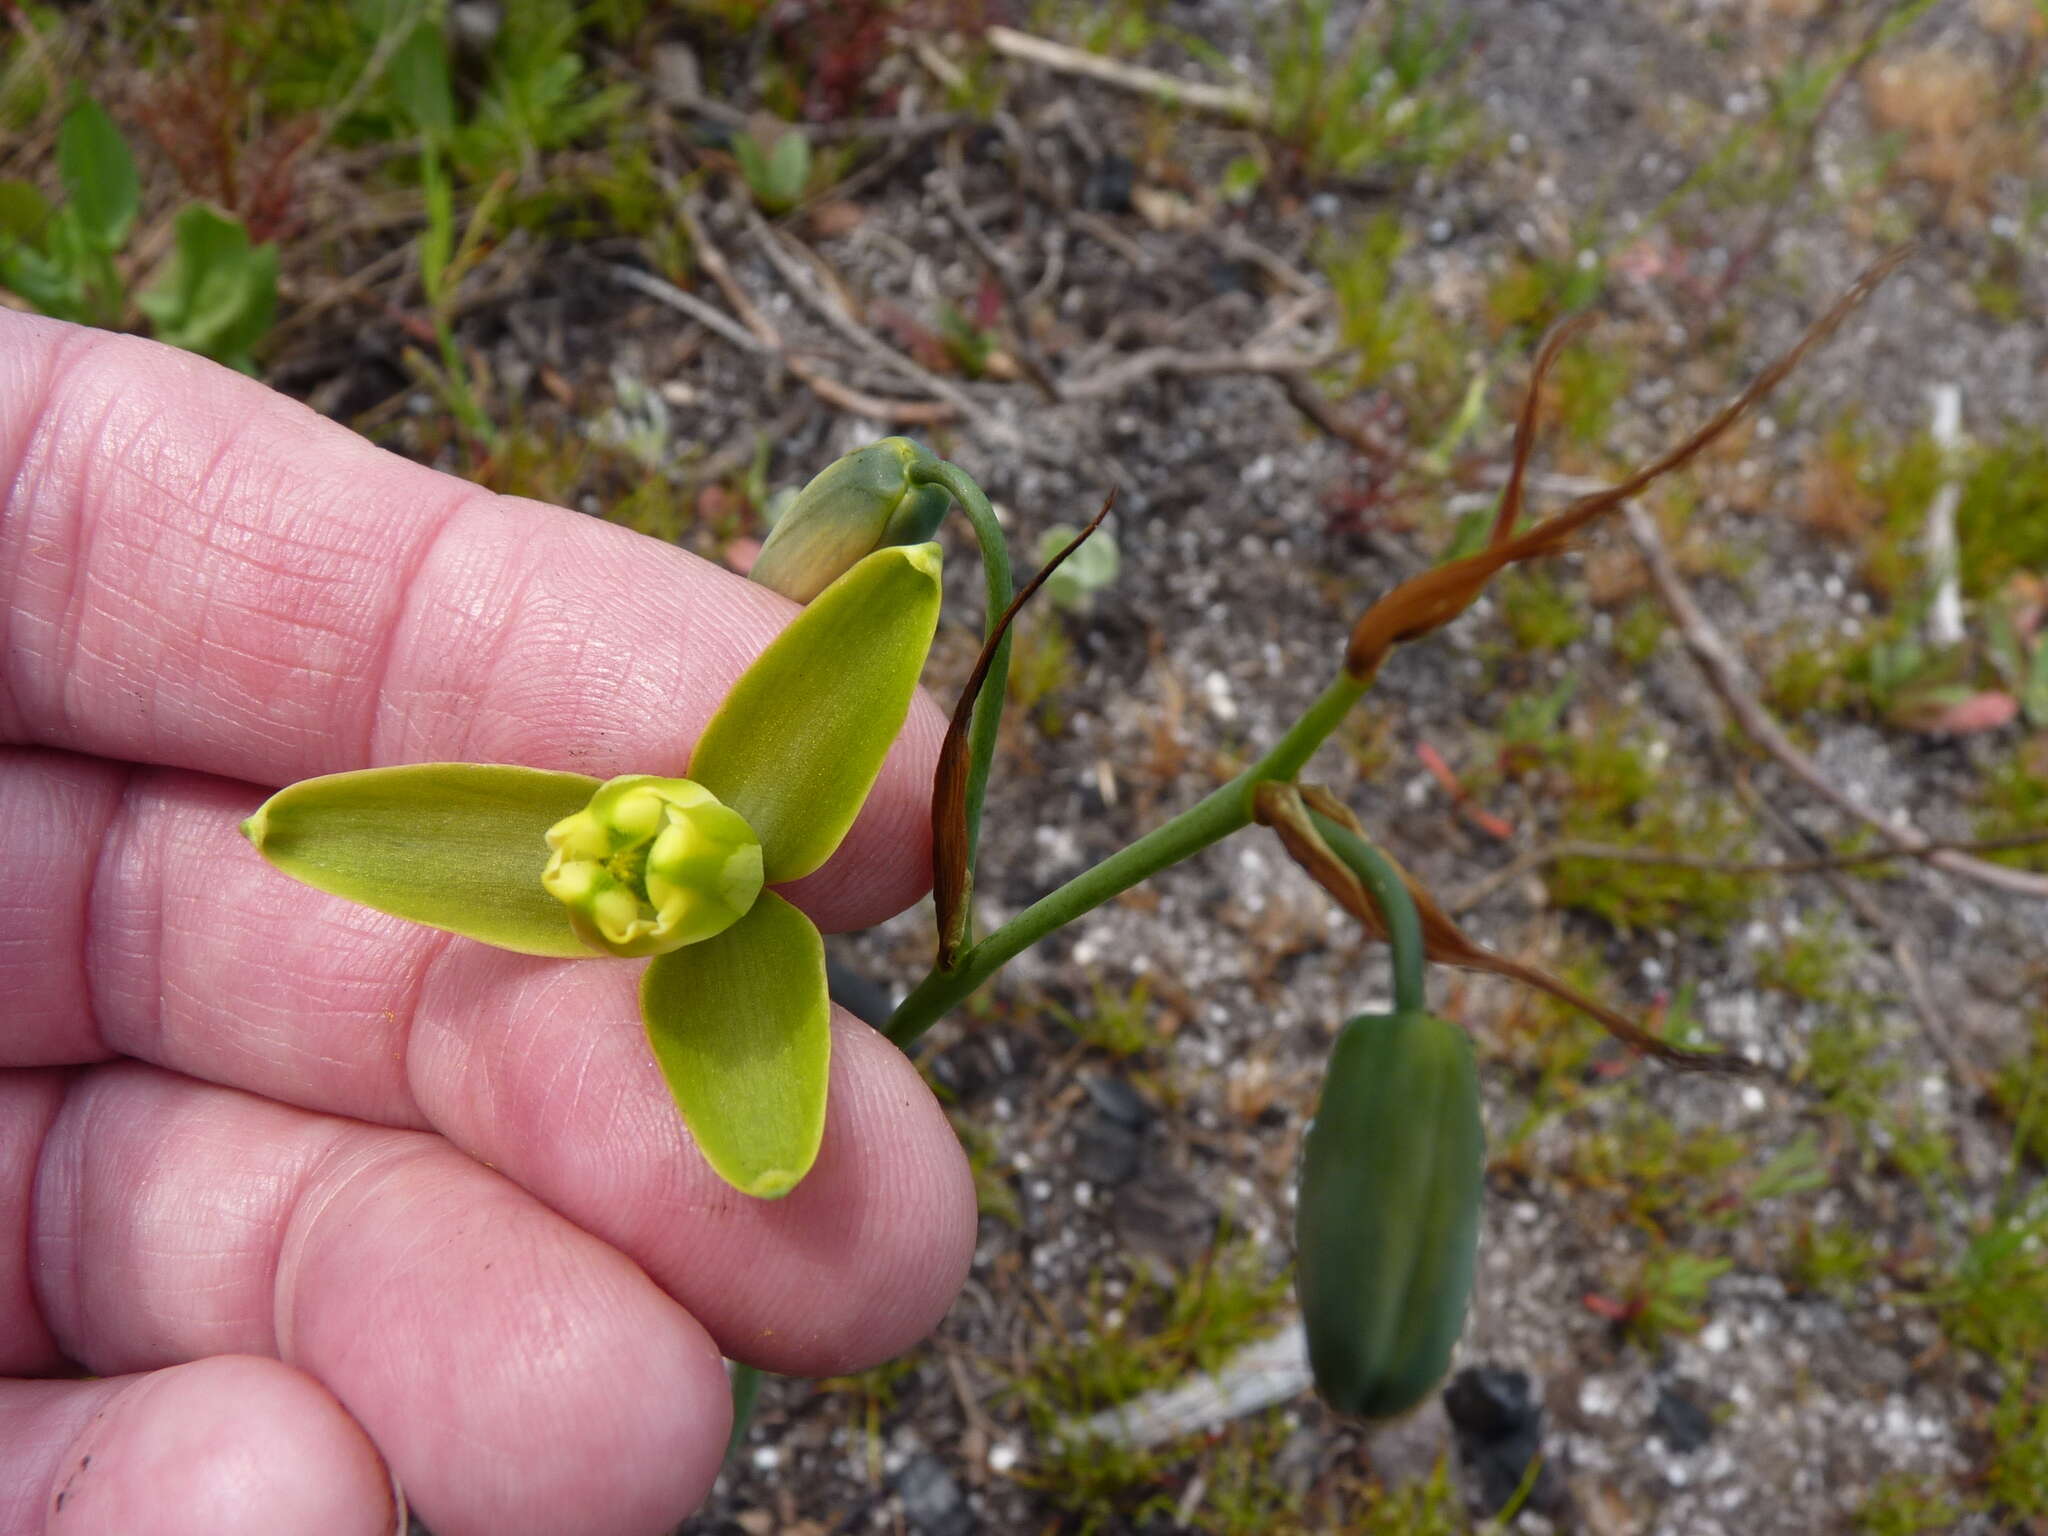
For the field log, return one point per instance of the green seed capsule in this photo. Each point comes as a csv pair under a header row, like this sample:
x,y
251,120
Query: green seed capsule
x,y
855,505
1387,1227
651,865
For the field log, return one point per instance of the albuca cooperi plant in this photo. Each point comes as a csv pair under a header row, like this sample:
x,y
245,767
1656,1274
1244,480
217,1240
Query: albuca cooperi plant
x,y
680,872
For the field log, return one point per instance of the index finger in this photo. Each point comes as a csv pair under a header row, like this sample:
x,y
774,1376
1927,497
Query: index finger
x,y
197,572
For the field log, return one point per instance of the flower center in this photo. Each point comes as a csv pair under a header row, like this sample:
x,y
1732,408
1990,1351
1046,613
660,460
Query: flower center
x,y
651,865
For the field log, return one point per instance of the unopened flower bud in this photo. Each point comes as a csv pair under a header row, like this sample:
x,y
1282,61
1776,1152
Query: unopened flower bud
x,y
855,506
651,865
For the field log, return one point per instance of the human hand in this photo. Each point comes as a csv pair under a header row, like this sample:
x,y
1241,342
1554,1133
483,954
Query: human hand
x,y
315,1191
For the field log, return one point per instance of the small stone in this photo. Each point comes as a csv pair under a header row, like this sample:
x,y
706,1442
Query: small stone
x,y
1679,1421
475,24
932,1501
678,79
1407,1449
1499,1424
1109,184
1105,1152
1118,1100
1487,1401
1163,1217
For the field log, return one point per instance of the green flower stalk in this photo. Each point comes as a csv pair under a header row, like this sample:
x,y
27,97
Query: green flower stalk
x,y
673,870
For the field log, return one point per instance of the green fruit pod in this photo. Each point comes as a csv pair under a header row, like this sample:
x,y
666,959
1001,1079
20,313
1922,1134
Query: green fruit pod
x,y
1387,1228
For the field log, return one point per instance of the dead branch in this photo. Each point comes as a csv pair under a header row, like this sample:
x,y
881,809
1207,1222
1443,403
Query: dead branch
x,y
668,293
1235,243
839,396
1724,673
1001,268
1154,361
1226,101
806,286
1621,853
1933,1022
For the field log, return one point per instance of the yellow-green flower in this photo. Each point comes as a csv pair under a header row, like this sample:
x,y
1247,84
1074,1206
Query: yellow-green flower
x,y
677,869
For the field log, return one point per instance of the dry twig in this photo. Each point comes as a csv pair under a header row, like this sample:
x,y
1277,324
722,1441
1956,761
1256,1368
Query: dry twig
x,y
1724,674
1153,361
1029,357
831,391
1621,853
806,286
668,293
1933,1021
1227,101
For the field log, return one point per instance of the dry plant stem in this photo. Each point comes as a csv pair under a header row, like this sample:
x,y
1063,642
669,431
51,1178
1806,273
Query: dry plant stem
x,y
952,824
1431,600
664,292
1362,880
1553,347
1724,675
831,391
807,288
1933,1022
1235,243
1945,611
1621,853
1304,395
1446,944
1243,105
1154,361
1112,239
1001,268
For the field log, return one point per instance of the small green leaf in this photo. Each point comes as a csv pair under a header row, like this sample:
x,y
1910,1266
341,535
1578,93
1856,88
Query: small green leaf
x,y
1084,573
418,81
49,284
217,294
789,167
98,174
25,215
742,1027
458,846
2034,696
797,744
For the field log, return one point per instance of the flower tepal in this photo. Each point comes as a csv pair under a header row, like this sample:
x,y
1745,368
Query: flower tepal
x,y
652,864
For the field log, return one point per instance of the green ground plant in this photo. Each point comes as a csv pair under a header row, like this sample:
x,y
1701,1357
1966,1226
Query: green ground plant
x,y
1908,1505
1395,340
215,294
1115,1021
1385,98
1152,1335
1616,788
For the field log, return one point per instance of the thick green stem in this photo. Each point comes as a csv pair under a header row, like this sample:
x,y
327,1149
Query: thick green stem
x,y
995,568
1213,818
1389,893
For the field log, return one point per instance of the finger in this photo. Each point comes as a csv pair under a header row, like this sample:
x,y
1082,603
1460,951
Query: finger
x,y
540,1068
197,572
28,1108
517,1374
851,1268
232,1446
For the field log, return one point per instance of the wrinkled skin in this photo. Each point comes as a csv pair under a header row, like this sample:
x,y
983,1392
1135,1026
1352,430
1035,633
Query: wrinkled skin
x,y
320,1196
